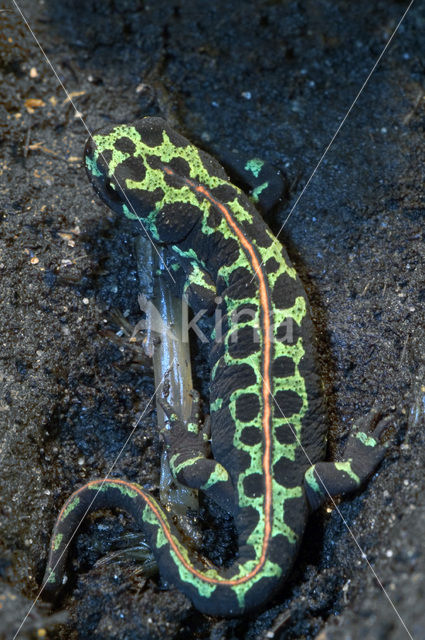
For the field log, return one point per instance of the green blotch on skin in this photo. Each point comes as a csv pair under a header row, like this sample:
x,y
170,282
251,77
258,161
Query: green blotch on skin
x,y
310,479
368,441
282,496
129,214
204,588
218,475
199,277
57,541
216,405
92,167
346,467
71,506
190,254
187,463
126,491
258,190
254,166
150,518
192,427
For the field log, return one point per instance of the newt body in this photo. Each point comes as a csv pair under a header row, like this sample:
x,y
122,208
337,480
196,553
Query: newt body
x,y
268,430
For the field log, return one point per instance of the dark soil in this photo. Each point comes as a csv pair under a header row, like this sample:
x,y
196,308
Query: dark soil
x,y
270,78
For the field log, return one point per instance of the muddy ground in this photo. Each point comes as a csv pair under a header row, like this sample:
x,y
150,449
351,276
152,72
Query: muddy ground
x,y
270,78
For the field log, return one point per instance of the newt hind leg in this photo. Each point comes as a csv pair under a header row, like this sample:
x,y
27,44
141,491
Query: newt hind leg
x,y
363,452
188,453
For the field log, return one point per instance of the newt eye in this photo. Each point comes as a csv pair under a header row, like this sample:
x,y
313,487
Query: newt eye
x,y
111,190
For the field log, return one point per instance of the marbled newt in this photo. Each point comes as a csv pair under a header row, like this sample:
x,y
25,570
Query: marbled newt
x,y
265,464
